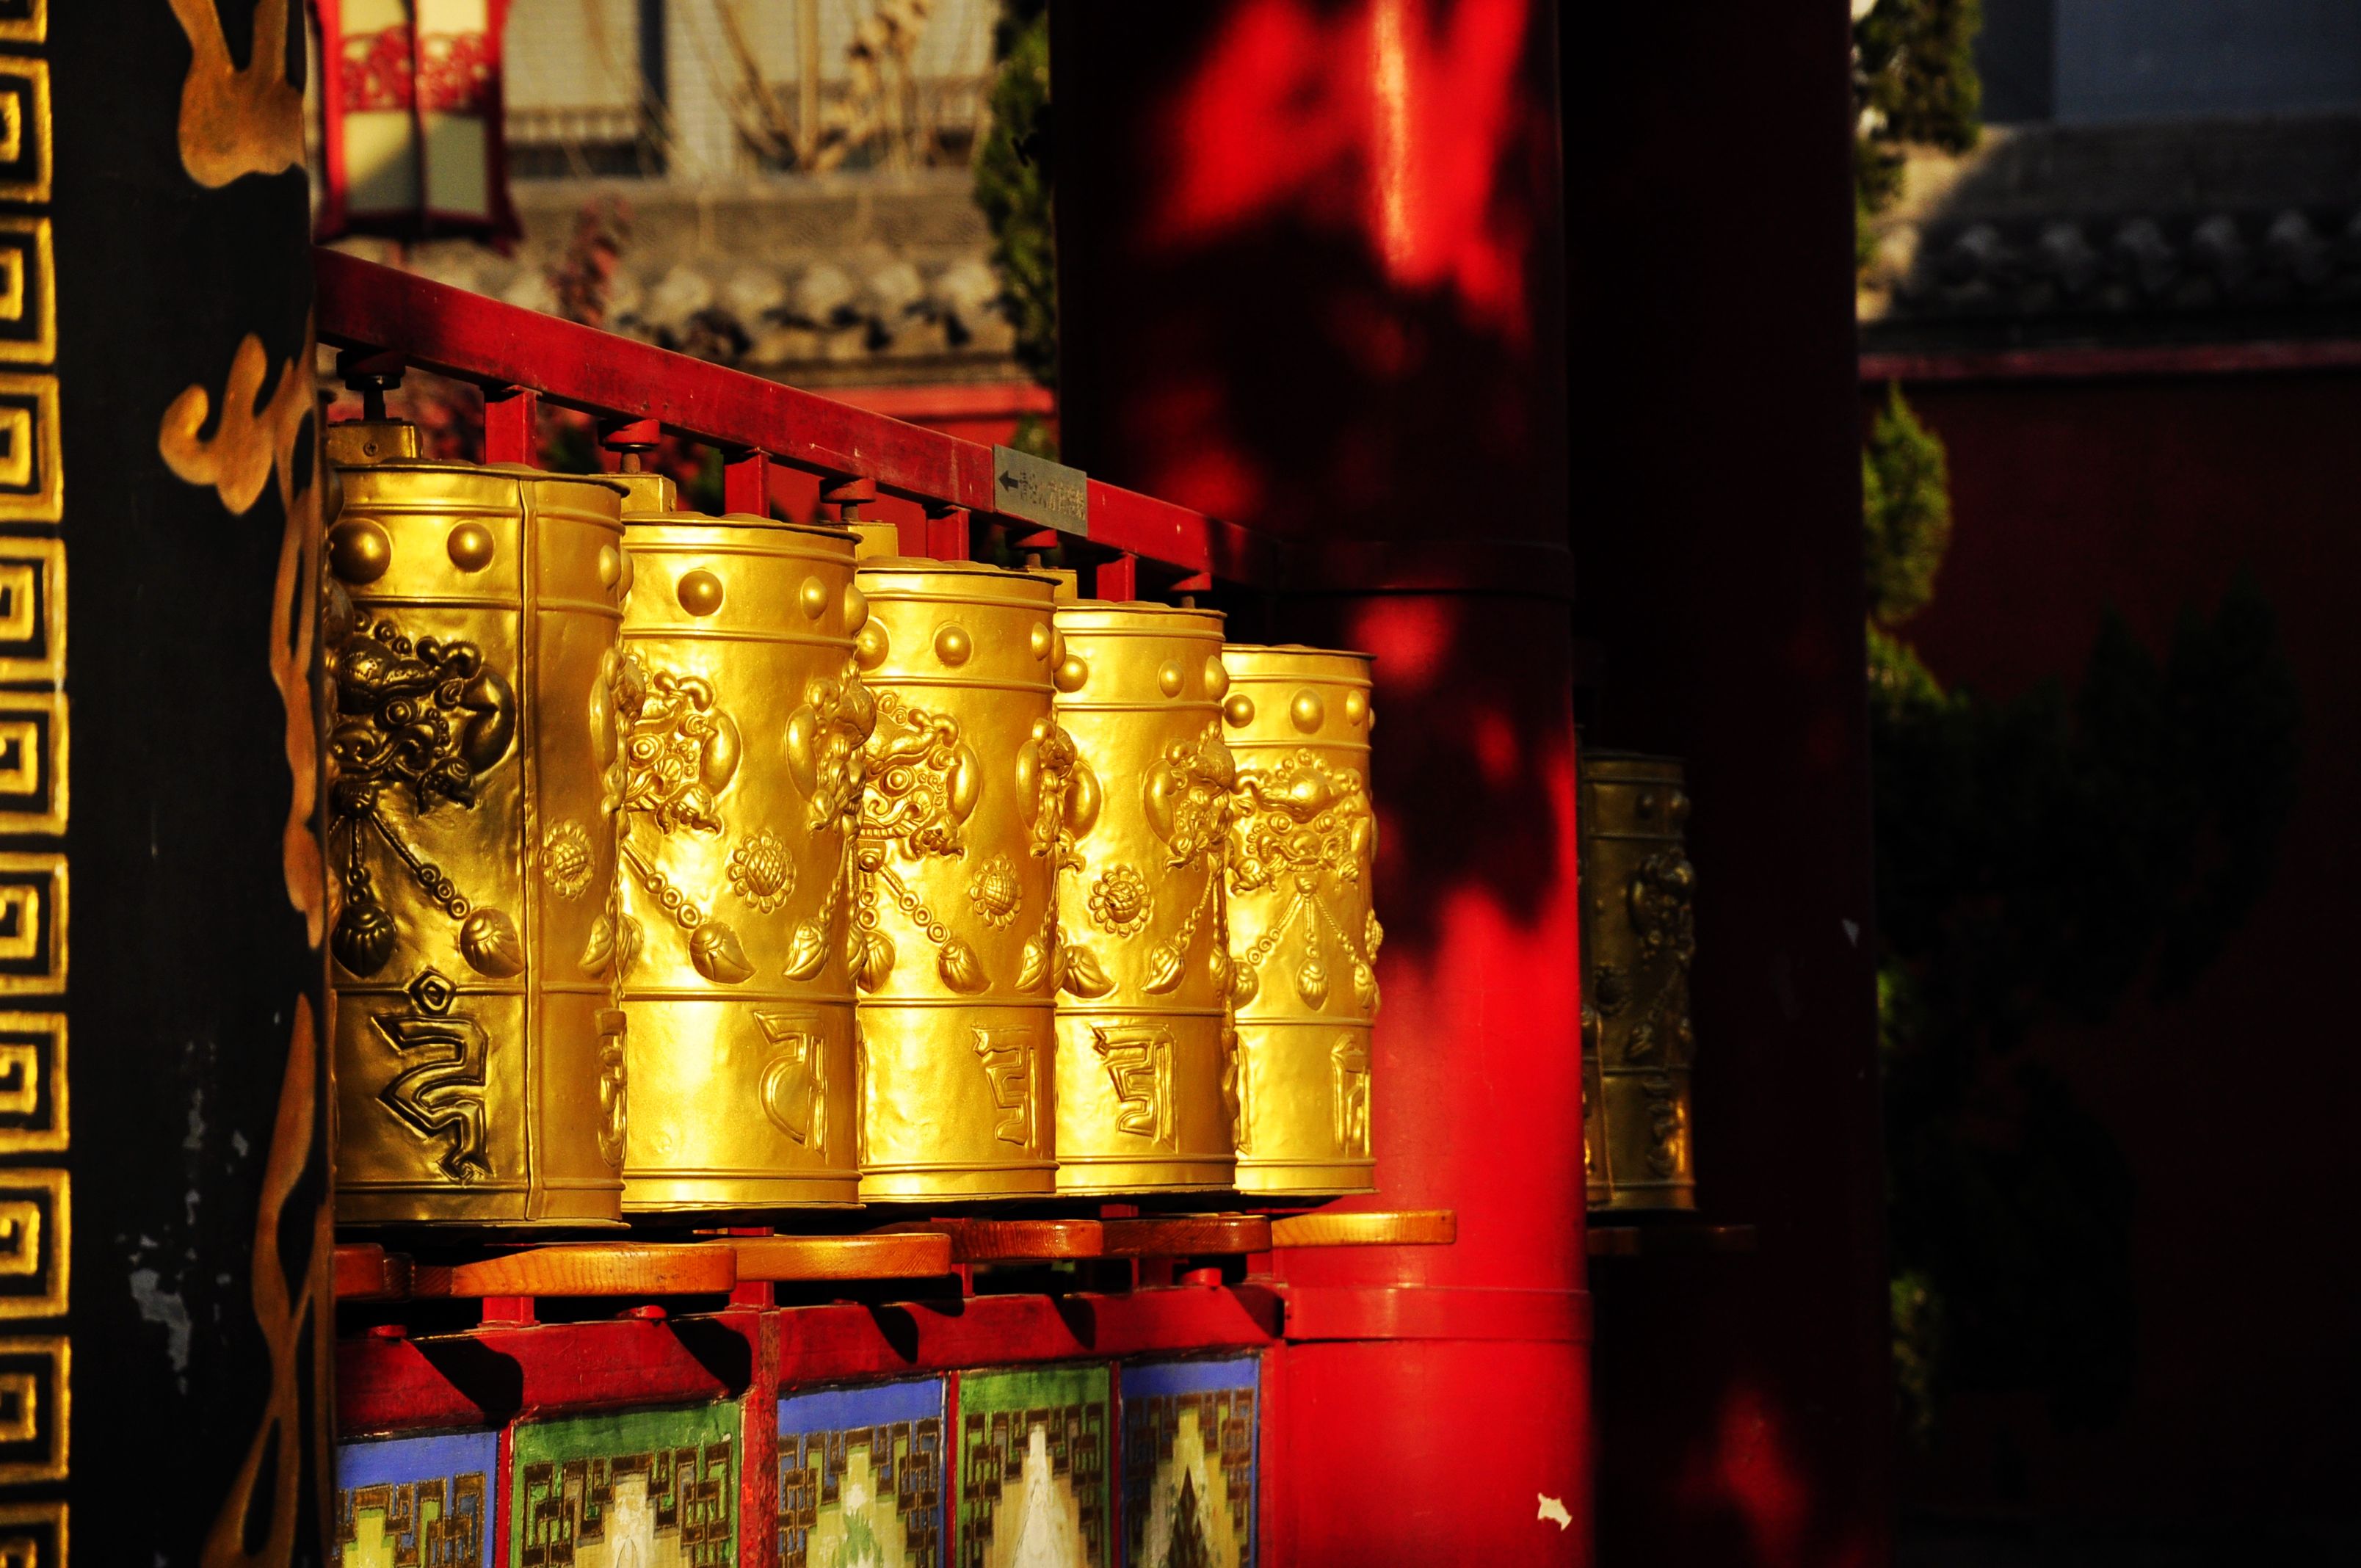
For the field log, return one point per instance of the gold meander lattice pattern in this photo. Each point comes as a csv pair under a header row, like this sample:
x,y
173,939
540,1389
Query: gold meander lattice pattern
x,y
35,1134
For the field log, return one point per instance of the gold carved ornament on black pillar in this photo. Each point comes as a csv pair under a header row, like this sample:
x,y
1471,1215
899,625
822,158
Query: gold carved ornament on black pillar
x,y
37,1133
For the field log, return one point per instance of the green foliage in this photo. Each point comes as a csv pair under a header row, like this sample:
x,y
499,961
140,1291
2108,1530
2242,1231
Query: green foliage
x,y
1917,71
1906,508
2055,849
1913,81
1013,187
1916,1314
1016,17
1034,437
569,446
1876,182
2038,861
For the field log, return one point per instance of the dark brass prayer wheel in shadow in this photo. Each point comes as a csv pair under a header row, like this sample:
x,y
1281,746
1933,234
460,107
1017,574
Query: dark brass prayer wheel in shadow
x,y
971,797
741,720
1637,940
1147,1078
1303,933
480,1073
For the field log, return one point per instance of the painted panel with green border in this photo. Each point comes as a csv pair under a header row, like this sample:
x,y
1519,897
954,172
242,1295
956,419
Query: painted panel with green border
x,y
1033,1482
627,1489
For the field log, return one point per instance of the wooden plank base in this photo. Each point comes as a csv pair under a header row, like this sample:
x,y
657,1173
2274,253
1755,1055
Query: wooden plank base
x,y
1369,1227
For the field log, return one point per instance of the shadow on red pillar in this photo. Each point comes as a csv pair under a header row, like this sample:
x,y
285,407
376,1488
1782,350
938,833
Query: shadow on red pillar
x,y
1310,278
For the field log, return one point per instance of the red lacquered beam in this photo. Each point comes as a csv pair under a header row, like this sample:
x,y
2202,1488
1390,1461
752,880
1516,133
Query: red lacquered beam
x,y
486,1376
820,1344
498,345
454,332
492,1374
1162,531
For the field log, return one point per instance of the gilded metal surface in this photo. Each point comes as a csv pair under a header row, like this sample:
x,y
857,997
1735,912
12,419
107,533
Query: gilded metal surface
x,y
1638,938
1302,932
471,851
1147,1085
1595,1188
742,719
971,789
374,441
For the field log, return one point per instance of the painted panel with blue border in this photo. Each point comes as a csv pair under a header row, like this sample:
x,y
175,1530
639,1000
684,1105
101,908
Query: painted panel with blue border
x,y
424,1500
1190,1450
860,1477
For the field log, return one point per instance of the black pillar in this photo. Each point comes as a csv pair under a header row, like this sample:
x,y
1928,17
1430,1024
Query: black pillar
x,y
161,1072
1743,1402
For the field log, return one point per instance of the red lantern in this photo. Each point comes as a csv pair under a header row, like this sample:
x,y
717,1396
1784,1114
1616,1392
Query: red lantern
x,y
414,125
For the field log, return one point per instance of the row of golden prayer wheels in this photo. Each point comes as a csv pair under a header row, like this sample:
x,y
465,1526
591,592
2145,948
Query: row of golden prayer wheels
x,y
686,864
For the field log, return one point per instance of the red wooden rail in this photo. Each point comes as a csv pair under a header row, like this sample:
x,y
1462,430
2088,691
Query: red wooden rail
x,y
518,356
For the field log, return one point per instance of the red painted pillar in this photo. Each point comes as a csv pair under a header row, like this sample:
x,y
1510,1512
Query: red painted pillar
x,y
1310,278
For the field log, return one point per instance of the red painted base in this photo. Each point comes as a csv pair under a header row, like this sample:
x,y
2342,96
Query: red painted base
x,y
1498,1470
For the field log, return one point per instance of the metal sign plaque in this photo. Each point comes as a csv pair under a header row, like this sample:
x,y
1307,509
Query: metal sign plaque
x,y
1038,490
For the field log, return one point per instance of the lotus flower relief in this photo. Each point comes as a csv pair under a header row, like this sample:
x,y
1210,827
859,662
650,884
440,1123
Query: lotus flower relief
x,y
761,872
565,860
995,893
1119,901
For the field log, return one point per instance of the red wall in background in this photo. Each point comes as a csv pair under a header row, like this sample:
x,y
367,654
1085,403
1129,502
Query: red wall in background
x,y
987,412
2236,1106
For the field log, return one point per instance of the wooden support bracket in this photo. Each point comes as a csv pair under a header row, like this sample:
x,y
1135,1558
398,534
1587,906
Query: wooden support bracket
x,y
909,1254
586,1268
1189,1235
1014,1241
367,1272
1399,1227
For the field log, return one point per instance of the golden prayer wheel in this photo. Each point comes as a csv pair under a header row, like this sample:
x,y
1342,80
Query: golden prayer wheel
x,y
1304,934
1638,936
742,719
1147,1084
471,843
971,789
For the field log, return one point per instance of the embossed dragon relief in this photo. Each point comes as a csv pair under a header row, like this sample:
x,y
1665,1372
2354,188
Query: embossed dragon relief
x,y
1305,828
1660,902
1187,797
428,719
1061,798
925,782
680,753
